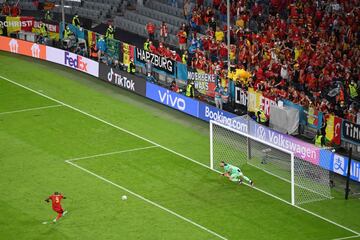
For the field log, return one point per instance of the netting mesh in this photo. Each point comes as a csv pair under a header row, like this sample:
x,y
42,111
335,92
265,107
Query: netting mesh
x,y
312,182
269,167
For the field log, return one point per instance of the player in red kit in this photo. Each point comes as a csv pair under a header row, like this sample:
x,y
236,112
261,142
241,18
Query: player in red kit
x,y
56,204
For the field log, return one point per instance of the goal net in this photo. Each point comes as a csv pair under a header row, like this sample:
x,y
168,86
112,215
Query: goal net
x,y
274,170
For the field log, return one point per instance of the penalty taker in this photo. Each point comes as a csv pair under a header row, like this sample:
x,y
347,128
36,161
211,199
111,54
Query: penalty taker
x,y
234,173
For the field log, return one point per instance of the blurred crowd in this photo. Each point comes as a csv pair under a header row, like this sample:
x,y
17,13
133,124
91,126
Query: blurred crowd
x,y
10,8
306,51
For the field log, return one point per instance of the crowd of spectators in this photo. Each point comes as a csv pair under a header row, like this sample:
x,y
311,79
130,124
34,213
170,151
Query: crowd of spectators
x,y
306,51
10,9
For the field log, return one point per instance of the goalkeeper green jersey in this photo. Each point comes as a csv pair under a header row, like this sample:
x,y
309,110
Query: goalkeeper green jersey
x,y
231,169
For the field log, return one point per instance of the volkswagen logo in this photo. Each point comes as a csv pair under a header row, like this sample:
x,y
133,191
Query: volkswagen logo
x,y
260,132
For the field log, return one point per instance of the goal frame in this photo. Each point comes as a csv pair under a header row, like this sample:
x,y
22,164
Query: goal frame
x,y
212,122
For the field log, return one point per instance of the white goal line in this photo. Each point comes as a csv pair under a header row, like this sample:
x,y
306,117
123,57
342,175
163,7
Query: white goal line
x,y
168,149
31,109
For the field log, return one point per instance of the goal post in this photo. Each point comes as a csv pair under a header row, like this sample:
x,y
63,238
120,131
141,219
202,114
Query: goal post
x,y
273,169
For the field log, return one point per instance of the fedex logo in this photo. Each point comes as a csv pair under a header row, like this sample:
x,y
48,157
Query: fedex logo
x,y
76,62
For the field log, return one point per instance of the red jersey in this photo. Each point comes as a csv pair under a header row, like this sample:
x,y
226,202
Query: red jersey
x,y
56,201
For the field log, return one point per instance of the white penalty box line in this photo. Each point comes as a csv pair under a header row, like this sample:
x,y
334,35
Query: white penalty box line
x,y
72,160
140,196
110,153
31,109
168,149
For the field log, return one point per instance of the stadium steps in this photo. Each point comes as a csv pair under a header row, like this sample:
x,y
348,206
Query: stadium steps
x,y
165,8
136,17
154,14
139,29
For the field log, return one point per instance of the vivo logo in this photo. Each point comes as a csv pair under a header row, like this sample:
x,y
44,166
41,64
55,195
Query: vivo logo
x,y
121,81
172,101
77,63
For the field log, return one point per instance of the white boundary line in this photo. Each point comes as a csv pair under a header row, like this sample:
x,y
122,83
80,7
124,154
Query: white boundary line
x,y
355,236
148,201
110,153
31,109
170,150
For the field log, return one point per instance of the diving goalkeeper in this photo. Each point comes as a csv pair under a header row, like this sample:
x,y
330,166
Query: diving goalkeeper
x,y
234,173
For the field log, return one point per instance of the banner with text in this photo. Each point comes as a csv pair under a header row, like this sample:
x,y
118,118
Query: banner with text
x,y
128,53
122,79
350,132
204,83
339,164
160,63
72,60
52,27
241,98
208,112
300,149
172,99
254,100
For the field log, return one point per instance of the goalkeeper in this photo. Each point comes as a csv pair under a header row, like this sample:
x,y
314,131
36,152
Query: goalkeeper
x,y
234,173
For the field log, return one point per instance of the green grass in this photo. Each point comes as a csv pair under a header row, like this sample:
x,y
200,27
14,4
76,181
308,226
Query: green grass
x,y
35,145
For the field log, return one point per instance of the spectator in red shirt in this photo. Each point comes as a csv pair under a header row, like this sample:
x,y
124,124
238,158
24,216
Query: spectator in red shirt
x,y
150,29
216,4
182,37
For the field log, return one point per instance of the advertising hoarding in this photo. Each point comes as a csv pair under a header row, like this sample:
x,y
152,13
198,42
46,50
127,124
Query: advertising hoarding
x,y
122,79
23,47
172,99
72,60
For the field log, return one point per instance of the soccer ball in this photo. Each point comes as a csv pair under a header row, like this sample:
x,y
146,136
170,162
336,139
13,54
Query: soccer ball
x,y
124,197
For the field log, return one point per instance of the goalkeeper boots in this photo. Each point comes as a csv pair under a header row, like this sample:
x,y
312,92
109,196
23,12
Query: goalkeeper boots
x,y
251,183
240,181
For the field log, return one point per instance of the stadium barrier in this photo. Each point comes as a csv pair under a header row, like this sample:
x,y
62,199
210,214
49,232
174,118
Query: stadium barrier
x,y
322,157
122,79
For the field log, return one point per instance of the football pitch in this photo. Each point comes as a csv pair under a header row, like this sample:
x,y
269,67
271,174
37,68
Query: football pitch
x,y
65,131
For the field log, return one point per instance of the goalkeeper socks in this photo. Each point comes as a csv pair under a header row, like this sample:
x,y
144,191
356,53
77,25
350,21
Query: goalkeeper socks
x,y
247,179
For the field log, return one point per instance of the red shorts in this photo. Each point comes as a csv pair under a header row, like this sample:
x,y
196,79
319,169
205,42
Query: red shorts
x,y
58,210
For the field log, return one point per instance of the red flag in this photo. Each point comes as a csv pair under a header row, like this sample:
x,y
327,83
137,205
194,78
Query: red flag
x,y
337,130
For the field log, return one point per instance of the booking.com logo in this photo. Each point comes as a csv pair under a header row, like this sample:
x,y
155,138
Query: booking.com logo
x,y
77,63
